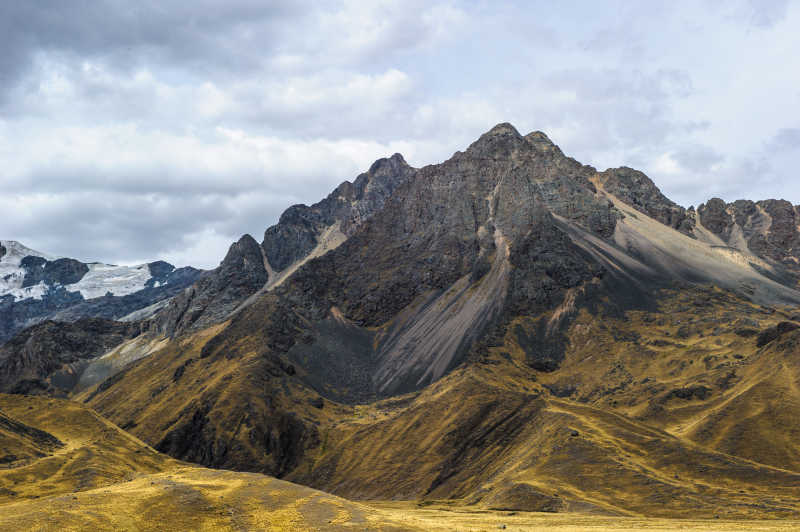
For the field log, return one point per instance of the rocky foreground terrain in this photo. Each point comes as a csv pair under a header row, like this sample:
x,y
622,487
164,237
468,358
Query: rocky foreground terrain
x,y
509,330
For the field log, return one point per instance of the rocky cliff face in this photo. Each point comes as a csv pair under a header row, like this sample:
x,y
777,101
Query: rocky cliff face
x,y
301,233
457,253
638,191
300,228
770,229
48,357
440,262
212,298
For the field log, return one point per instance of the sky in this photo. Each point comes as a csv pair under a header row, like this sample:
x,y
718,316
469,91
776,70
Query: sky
x,y
136,131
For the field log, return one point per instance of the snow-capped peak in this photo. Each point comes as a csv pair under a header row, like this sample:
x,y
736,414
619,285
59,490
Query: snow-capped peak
x,y
15,252
99,280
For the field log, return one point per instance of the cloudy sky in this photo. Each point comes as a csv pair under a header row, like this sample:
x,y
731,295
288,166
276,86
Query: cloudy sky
x,y
131,131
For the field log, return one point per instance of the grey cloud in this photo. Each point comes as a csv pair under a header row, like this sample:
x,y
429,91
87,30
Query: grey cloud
x,y
121,228
194,36
697,158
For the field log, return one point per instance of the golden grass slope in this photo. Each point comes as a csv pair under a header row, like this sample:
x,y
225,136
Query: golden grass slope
x,y
102,478
472,439
180,496
670,412
94,453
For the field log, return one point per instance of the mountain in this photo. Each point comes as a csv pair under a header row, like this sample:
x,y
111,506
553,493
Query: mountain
x,y
35,287
302,233
509,329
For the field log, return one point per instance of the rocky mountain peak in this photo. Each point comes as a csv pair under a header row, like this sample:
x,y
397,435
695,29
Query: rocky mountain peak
x,y
637,190
244,257
388,165
502,129
767,228
499,142
542,143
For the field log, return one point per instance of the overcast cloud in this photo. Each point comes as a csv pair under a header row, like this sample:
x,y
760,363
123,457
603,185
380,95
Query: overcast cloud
x,y
131,131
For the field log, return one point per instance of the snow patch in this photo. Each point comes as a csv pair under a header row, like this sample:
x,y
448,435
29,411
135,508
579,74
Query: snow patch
x,y
98,281
36,291
12,275
118,280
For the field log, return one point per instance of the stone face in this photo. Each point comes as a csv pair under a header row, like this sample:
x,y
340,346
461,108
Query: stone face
x,y
350,204
59,271
477,234
244,271
46,358
509,228
638,191
240,274
768,228
715,217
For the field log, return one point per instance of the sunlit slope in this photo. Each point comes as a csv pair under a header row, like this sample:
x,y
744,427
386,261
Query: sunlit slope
x,y
192,498
233,408
616,429
479,436
692,367
758,418
91,452
77,471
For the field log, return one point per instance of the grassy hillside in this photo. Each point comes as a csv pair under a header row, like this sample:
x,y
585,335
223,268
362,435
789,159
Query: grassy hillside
x,y
644,417
77,471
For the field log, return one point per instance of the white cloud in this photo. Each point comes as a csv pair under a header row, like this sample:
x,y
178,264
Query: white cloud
x,y
180,128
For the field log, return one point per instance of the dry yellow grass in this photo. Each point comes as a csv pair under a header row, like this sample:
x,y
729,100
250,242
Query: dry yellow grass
x,y
194,498
102,478
605,433
451,519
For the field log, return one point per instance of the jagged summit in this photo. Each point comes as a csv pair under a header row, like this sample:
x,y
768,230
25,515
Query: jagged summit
x,y
503,128
13,250
475,320
395,161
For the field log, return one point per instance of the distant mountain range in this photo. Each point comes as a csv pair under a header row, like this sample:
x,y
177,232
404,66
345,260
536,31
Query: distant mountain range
x,y
510,329
35,287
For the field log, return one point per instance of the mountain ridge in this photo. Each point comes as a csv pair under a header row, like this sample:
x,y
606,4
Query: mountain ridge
x,y
35,286
399,320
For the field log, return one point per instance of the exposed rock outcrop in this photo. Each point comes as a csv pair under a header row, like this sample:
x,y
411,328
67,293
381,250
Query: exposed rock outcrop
x,y
249,268
211,299
768,229
639,191
48,357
